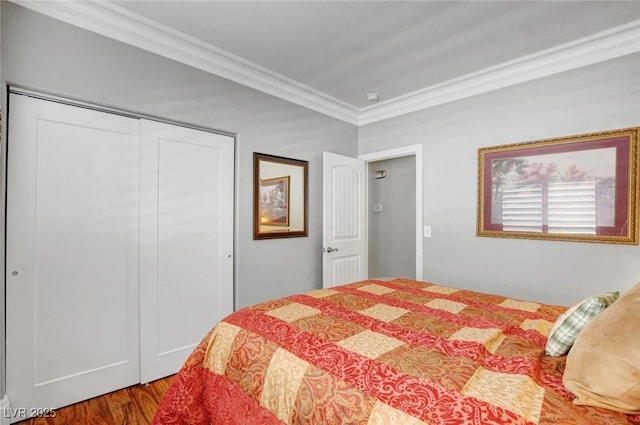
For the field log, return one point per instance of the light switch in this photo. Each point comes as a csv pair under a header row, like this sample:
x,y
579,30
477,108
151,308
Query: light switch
x,y
377,207
427,231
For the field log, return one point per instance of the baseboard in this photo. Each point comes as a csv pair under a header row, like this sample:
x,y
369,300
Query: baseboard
x,y
5,411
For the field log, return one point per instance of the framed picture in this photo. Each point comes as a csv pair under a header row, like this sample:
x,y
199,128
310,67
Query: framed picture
x,y
280,197
580,188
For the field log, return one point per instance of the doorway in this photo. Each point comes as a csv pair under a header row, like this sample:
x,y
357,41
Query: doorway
x,y
407,182
391,206
345,214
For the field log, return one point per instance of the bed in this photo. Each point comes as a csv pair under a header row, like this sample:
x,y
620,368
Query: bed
x,y
397,352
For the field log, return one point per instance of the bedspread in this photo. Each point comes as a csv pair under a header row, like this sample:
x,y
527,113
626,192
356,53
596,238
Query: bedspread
x,y
397,352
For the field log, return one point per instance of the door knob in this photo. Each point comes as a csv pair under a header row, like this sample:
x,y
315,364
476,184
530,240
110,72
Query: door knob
x,y
331,249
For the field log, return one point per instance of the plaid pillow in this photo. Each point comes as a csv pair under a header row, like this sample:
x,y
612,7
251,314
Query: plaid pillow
x,y
568,325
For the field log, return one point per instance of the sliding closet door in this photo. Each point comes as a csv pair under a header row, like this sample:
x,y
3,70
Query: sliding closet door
x,y
186,241
72,253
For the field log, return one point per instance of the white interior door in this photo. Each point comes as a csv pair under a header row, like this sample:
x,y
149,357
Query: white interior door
x,y
344,221
186,241
72,253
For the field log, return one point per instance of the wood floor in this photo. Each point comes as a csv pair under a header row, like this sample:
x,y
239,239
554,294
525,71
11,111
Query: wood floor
x,y
131,406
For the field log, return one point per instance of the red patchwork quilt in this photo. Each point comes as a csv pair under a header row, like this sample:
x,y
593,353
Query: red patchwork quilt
x,y
398,352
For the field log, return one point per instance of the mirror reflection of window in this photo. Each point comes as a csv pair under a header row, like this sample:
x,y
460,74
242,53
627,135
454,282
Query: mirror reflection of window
x,y
565,208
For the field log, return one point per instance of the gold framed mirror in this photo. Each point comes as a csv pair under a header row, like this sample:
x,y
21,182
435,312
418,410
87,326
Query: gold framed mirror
x,y
580,188
279,197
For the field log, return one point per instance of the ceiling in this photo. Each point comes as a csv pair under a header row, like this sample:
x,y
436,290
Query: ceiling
x,y
335,52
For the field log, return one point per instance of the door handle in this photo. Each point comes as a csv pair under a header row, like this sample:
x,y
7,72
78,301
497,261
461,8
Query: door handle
x,y
329,249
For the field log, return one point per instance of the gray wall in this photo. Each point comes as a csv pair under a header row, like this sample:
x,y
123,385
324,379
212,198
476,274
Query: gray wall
x,y
600,97
392,232
47,55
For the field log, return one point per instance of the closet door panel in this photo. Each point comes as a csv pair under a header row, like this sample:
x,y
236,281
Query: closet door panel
x,y
72,299
186,241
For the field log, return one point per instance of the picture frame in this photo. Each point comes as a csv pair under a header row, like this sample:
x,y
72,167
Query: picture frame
x,y
581,188
280,197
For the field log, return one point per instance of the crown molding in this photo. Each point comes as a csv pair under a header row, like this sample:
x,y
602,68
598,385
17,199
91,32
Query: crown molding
x,y
615,42
118,23
112,21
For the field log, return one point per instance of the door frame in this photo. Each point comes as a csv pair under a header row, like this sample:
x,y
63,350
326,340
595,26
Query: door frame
x,y
412,150
4,103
